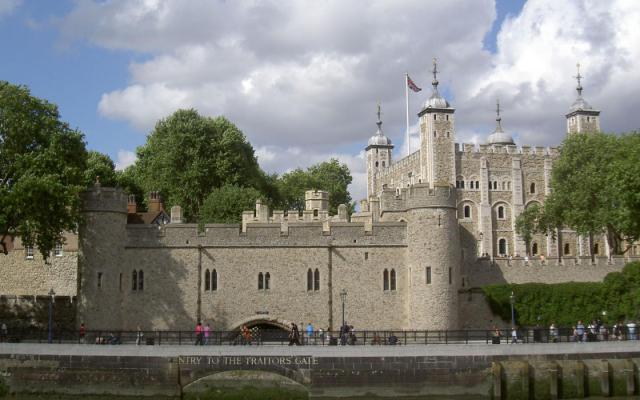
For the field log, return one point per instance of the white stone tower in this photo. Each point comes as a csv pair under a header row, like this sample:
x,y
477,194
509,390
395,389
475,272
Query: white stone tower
x,y
378,158
437,145
582,118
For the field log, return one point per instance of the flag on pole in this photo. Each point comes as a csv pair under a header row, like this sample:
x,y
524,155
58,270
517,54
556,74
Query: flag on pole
x,y
412,85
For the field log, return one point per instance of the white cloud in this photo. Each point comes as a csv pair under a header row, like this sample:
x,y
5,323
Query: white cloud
x,y
125,159
301,79
7,7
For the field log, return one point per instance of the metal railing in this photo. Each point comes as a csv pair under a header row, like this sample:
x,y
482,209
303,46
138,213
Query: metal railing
x,y
354,338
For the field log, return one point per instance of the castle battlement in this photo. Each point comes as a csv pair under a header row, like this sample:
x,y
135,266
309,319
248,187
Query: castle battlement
x,y
409,160
311,234
505,149
104,199
419,195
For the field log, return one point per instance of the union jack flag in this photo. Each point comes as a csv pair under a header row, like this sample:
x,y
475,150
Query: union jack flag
x,y
412,85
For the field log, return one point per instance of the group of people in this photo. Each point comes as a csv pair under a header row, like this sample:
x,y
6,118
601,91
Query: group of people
x,y
596,330
203,333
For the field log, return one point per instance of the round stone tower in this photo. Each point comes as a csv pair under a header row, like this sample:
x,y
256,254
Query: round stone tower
x,y
101,239
433,257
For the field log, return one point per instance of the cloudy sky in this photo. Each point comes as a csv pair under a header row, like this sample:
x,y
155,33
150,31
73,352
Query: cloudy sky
x,y
302,78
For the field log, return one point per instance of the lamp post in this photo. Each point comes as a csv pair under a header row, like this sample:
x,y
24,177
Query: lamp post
x,y
512,298
52,297
343,297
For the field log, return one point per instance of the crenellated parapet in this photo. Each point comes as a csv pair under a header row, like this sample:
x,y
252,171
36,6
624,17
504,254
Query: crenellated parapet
x,y
419,195
409,161
104,199
506,149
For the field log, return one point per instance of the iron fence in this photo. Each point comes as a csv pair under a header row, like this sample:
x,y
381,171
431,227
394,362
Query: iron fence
x,y
325,338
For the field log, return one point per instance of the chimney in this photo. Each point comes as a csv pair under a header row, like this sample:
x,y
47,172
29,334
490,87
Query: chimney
x,y
155,202
131,204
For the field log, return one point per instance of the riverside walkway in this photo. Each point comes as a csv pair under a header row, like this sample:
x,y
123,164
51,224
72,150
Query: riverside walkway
x,y
454,350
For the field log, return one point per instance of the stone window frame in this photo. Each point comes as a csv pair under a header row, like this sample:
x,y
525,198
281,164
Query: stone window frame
x,y
566,251
506,247
264,281
532,188
137,280
313,280
393,280
28,252
467,211
99,279
57,250
534,249
428,275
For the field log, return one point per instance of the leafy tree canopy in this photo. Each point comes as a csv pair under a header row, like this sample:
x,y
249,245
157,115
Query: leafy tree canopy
x,y
188,155
595,188
100,166
329,175
42,164
566,303
226,204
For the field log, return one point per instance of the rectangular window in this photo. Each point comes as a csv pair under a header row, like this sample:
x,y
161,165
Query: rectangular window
x,y
366,255
29,252
57,251
428,275
99,279
449,276
120,282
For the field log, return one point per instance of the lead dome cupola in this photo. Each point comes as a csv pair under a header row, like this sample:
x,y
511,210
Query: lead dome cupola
x,y
379,139
436,101
499,136
580,104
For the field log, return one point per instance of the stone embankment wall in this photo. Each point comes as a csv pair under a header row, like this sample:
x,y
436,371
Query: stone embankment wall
x,y
515,376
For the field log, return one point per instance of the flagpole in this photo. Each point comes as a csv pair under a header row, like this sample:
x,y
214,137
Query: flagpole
x,y
406,93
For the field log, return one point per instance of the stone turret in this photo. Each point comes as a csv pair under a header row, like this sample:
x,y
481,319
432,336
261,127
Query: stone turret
x,y
316,200
433,254
437,145
101,239
378,157
582,117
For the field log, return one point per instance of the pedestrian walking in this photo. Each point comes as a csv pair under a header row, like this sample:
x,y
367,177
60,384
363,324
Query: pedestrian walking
x,y
199,332
82,333
139,336
309,332
207,333
294,335
4,333
514,335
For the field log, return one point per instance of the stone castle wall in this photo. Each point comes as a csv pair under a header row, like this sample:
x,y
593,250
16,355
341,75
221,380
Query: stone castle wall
x,y
22,276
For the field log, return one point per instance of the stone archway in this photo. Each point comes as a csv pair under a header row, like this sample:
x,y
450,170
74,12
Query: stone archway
x,y
264,328
282,381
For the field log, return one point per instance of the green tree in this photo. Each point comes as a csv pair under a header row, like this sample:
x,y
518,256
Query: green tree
x,y
596,188
226,204
100,166
128,180
329,175
527,224
188,155
42,164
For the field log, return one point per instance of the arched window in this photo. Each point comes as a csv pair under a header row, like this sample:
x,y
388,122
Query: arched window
x,y
532,187
309,280
207,280
214,280
495,185
393,279
260,281
435,117
596,249
140,280
267,279
504,185
500,212
477,184
567,249
534,249
383,163
434,134
385,280
467,211
315,212
376,164
509,185
470,184
316,279
134,280
502,247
